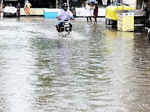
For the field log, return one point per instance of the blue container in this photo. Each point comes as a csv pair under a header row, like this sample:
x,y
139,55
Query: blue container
x,y
50,15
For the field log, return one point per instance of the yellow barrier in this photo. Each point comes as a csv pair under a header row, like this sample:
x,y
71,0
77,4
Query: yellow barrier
x,y
111,11
125,21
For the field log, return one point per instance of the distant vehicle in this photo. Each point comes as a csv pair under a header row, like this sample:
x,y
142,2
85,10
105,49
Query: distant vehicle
x,y
10,10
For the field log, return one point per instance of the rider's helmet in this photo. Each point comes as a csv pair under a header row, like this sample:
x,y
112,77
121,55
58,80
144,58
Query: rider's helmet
x,y
65,6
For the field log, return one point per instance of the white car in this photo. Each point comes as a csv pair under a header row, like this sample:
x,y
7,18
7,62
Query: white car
x,y
10,11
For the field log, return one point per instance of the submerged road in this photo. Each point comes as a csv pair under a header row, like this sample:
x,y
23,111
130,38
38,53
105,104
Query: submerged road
x,y
97,69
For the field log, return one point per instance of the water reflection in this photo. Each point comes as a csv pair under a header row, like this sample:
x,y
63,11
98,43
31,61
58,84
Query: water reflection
x,y
15,78
126,73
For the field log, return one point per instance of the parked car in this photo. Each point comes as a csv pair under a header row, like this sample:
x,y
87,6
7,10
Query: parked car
x,y
10,10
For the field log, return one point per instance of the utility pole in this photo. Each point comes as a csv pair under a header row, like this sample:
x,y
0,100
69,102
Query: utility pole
x,y
1,9
68,3
57,3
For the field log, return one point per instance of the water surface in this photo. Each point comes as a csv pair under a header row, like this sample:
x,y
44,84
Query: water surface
x,y
98,69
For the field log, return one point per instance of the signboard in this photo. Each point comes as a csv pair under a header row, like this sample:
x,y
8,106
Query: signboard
x,y
10,0
51,13
104,2
131,3
81,12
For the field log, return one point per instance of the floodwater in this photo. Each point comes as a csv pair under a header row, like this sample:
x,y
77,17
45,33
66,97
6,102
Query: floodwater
x,y
96,69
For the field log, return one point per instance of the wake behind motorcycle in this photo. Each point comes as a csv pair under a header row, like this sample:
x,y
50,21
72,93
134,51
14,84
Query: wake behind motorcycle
x,y
64,28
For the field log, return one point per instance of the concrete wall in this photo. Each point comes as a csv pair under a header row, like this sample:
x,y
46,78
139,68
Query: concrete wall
x,y
34,11
80,12
41,11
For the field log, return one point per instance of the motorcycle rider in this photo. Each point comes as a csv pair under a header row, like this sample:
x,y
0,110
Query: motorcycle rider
x,y
64,15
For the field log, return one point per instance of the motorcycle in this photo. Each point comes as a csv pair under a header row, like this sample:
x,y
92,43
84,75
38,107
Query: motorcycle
x,y
64,28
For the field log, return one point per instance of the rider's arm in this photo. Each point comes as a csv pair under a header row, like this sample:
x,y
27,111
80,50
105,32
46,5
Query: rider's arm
x,y
58,16
71,15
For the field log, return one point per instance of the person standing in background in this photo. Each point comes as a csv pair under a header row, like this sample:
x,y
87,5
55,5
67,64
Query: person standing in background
x,y
27,8
146,14
95,13
18,10
88,13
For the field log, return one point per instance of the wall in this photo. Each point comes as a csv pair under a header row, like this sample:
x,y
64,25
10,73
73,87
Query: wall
x,y
80,12
34,11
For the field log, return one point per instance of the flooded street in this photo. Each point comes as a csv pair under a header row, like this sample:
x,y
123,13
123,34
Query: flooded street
x,y
97,69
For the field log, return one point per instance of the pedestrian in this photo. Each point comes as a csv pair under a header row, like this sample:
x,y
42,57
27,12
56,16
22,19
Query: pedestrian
x,y
27,8
95,13
88,13
18,10
146,15
108,2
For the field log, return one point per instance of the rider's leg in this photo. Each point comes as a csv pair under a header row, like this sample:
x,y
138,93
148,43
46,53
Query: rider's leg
x,y
60,27
70,26
57,28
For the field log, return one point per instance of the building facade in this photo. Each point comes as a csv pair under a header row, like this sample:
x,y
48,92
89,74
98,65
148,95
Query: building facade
x,y
52,3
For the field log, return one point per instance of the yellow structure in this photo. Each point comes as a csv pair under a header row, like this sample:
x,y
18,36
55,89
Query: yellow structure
x,y
125,21
111,11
